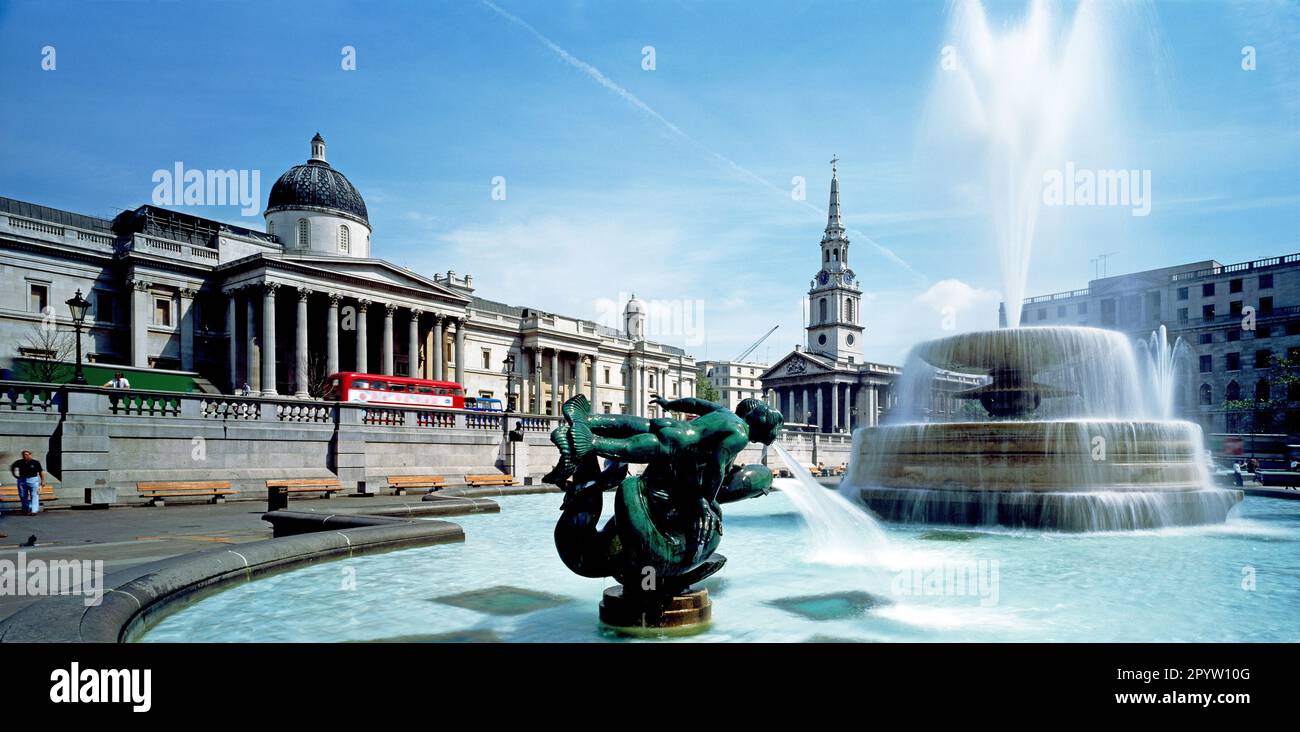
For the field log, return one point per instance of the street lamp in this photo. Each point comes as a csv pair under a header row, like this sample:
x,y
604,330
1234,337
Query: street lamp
x,y
79,306
510,380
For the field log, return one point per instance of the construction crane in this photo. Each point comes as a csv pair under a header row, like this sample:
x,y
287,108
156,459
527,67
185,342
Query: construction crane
x,y
756,344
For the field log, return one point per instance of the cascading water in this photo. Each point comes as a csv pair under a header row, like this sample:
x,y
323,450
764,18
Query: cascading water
x,y
1065,441
842,533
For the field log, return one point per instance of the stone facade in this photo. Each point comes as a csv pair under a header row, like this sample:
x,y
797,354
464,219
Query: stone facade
x,y
735,381
1204,303
273,313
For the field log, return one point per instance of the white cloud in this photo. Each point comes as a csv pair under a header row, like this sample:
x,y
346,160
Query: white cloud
x,y
957,295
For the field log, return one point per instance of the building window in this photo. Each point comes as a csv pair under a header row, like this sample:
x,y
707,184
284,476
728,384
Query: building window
x,y
821,308
1060,311
1233,392
1232,335
103,306
1207,396
1207,364
1234,307
1234,285
345,239
487,358
1207,313
1207,289
607,376
270,229
1182,293
1204,338
1108,312
1263,359
302,233
1266,306
848,309
1266,282
608,407
162,311
1261,390
1264,331
1233,362
1083,308
38,297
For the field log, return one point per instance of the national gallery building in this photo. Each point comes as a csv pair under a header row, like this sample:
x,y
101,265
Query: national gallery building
x,y
275,311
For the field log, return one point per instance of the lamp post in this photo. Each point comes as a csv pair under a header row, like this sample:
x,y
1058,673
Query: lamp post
x,y
78,305
505,417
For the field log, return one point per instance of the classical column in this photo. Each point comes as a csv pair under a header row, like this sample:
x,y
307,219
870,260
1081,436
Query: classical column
x,y
835,407
232,338
591,374
437,347
413,346
252,370
332,334
821,416
555,382
848,409
460,351
806,399
139,323
388,338
539,404
873,397
300,347
268,338
363,309
185,322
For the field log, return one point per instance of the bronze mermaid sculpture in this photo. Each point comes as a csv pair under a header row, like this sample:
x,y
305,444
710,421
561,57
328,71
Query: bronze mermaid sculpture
x,y
667,521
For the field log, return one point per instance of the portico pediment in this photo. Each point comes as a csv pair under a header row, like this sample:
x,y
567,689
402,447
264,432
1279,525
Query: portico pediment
x,y
360,275
796,364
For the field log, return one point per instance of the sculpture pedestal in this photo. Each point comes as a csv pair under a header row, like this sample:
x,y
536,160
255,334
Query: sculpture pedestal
x,y
643,614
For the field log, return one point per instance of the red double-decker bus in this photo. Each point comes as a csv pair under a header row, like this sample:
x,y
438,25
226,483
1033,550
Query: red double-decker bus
x,y
394,391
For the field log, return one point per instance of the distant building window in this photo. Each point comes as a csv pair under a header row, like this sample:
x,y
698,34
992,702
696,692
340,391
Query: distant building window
x,y
1207,313
1207,364
1233,391
848,309
1182,316
1083,308
345,239
1261,390
1265,282
1207,396
821,308
1207,289
1293,327
1060,311
302,233
1232,334
1204,338
1233,362
270,228
104,306
1234,285
487,358
1263,359
162,311
608,407
1042,313
1266,306
606,380
1264,331
38,297
1182,293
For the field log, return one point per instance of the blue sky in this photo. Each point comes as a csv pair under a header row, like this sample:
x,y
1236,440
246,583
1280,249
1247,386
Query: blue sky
x,y
672,183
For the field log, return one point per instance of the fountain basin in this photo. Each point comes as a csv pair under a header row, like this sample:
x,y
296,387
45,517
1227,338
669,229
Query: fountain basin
x,y
1066,475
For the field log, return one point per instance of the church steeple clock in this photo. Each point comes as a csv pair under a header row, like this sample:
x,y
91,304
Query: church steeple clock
x,y
834,299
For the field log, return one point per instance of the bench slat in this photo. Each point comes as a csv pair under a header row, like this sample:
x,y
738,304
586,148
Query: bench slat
x,y
290,482
184,484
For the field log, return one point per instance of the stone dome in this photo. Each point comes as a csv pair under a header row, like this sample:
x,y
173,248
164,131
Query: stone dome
x,y
316,186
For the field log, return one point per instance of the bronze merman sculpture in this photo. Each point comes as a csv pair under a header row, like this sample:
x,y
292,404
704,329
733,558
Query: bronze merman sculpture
x,y
667,521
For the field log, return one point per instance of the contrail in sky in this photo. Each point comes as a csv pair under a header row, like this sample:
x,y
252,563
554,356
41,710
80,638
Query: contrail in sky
x,y
595,75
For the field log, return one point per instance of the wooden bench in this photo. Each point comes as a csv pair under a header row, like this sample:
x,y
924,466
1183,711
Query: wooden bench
x,y
9,494
325,486
157,493
496,479
403,483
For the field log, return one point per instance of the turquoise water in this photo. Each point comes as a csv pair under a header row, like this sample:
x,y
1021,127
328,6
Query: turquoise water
x,y
1239,581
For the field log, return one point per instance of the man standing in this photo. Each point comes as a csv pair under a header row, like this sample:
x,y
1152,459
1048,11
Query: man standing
x,y
31,479
118,382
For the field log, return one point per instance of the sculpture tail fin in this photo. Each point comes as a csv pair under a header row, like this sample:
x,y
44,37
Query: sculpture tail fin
x,y
576,409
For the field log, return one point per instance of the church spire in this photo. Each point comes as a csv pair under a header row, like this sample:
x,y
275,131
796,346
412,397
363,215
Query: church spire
x,y
833,222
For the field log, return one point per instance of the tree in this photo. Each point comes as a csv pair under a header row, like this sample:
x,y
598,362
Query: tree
x,y
46,352
1280,410
704,389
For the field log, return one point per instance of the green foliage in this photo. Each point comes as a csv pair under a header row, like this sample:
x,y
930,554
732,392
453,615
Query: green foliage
x,y
1279,412
703,389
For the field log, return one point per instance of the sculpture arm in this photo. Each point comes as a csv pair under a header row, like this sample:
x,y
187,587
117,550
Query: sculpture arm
x,y
688,405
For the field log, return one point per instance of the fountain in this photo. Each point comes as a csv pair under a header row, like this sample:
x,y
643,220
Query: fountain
x,y
1067,445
